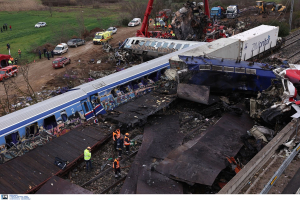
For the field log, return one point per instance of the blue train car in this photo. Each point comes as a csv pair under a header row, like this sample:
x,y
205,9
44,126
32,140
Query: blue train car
x,y
223,75
83,102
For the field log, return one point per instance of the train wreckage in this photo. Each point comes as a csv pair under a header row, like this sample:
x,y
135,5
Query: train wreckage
x,y
237,107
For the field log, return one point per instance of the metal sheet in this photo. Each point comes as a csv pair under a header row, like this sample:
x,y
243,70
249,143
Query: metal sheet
x,y
161,136
136,112
202,162
58,185
196,93
24,173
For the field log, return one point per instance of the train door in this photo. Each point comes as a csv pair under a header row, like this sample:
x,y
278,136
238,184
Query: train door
x,y
97,107
87,109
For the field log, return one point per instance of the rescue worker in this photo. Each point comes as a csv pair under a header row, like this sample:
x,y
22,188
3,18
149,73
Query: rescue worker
x,y
87,158
120,141
173,35
48,55
9,62
52,53
116,166
170,26
19,52
127,142
115,140
16,61
40,54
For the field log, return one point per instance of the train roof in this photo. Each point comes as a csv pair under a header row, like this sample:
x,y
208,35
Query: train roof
x,y
146,67
210,49
165,40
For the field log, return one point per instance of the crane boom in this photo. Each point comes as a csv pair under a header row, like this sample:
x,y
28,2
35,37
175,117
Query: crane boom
x,y
143,32
206,9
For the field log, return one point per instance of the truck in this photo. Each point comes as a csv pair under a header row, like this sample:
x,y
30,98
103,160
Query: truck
x,y
232,12
219,12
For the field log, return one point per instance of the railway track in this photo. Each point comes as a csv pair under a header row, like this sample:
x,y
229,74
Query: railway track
x,y
291,39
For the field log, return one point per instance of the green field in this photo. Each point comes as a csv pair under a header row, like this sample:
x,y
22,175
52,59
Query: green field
x,y
64,21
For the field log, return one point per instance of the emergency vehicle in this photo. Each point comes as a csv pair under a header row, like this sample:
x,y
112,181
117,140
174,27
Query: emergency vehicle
x,y
8,72
101,37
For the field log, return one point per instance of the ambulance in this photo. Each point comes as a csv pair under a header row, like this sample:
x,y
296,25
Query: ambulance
x,y
102,37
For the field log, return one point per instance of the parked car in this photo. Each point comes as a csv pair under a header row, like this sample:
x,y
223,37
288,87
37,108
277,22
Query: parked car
x,y
40,24
75,42
113,29
135,22
60,49
8,72
60,62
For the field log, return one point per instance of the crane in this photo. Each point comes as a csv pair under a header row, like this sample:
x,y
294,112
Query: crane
x,y
143,32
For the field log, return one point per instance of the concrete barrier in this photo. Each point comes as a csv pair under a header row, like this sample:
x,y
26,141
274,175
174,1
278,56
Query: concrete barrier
x,y
235,185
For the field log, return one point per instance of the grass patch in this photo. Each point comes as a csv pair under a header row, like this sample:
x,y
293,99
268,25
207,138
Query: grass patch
x,y
63,21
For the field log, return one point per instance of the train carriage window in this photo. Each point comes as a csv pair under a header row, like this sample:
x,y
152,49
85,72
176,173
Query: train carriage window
x,y
12,139
178,46
64,116
50,122
165,45
132,42
137,42
171,45
31,130
152,44
141,43
158,44
147,43
185,46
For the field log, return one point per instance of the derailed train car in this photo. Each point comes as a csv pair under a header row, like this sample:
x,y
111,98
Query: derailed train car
x,y
82,103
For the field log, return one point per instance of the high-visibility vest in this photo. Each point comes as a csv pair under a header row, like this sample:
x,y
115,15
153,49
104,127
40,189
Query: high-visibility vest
x,y
116,164
126,141
9,62
173,34
87,154
19,52
114,136
170,26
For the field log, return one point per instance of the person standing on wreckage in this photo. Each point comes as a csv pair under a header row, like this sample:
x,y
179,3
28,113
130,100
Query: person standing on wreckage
x,y
87,158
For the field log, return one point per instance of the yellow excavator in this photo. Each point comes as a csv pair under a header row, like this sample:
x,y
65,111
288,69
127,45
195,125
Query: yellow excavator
x,y
260,7
279,8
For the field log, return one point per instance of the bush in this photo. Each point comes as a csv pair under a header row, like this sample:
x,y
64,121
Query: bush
x,y
125,21
284,28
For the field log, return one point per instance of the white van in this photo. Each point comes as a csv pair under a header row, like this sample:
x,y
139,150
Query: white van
x,y
60,49
135,22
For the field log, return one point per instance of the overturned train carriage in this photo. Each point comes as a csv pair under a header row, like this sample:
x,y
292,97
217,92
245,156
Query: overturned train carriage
x,y
224,75
84,102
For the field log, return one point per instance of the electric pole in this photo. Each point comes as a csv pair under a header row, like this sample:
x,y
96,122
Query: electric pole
x,y
291,14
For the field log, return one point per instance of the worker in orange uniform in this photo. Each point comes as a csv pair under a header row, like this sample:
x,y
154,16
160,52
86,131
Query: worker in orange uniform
x,y
115,139
127,142
117,168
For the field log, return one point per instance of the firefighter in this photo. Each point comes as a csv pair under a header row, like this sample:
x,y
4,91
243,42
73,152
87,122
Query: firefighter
x,y
127,142
173,35
170,27
116,166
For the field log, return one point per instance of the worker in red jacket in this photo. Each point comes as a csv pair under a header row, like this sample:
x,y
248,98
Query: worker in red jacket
x,y
127,142
116,166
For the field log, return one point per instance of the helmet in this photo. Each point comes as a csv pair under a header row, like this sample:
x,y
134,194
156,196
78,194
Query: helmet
x,y
88,148
126,134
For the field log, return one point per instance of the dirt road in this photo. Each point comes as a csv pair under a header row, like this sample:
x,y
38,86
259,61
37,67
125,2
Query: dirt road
x,y
41,71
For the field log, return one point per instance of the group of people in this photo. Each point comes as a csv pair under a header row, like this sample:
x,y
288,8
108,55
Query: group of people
x,y
46,53
165,28
4,27
119,141
13,61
